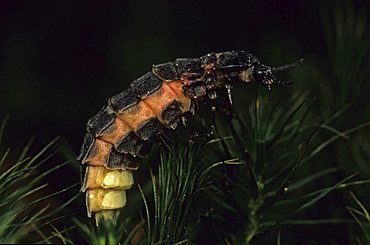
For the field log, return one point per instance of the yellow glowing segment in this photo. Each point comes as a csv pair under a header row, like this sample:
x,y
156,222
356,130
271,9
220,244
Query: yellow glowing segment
x,y
100,177
101,199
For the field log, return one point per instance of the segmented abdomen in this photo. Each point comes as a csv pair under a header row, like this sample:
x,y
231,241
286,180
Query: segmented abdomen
x,y
118,135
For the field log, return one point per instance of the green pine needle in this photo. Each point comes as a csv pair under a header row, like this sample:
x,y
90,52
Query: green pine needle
x,y
24,208
182,178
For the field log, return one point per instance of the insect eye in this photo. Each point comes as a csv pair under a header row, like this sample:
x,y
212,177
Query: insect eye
x,y
258,75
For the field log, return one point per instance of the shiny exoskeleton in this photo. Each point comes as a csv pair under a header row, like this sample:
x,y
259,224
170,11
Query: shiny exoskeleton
x,y
121,132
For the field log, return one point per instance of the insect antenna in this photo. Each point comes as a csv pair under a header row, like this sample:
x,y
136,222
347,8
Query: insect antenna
x,y
283,82
287,66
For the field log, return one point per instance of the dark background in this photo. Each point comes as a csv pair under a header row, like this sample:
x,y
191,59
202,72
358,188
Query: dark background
x,y
61,60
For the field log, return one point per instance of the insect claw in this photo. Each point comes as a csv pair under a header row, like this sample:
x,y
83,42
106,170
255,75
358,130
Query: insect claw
x,y
184,121
211,131
174,124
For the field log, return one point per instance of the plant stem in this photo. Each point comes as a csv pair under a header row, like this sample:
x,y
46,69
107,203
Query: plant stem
x,y
252,226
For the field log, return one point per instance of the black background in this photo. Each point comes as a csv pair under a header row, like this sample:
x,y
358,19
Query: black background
x,y
61,60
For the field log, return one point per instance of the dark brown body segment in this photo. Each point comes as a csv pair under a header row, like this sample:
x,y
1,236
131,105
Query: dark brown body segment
x,y
146,85
101,121
166,71
124,100
234,59
103,153
171,115
189,67
87,144
208,61
133,144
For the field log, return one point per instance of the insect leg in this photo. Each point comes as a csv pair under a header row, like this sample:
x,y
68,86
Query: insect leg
x,y
229,106
225,102
184,121
214,131
213,96
163,138
190,126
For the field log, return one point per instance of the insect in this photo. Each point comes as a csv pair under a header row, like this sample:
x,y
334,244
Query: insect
x,y
121,132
